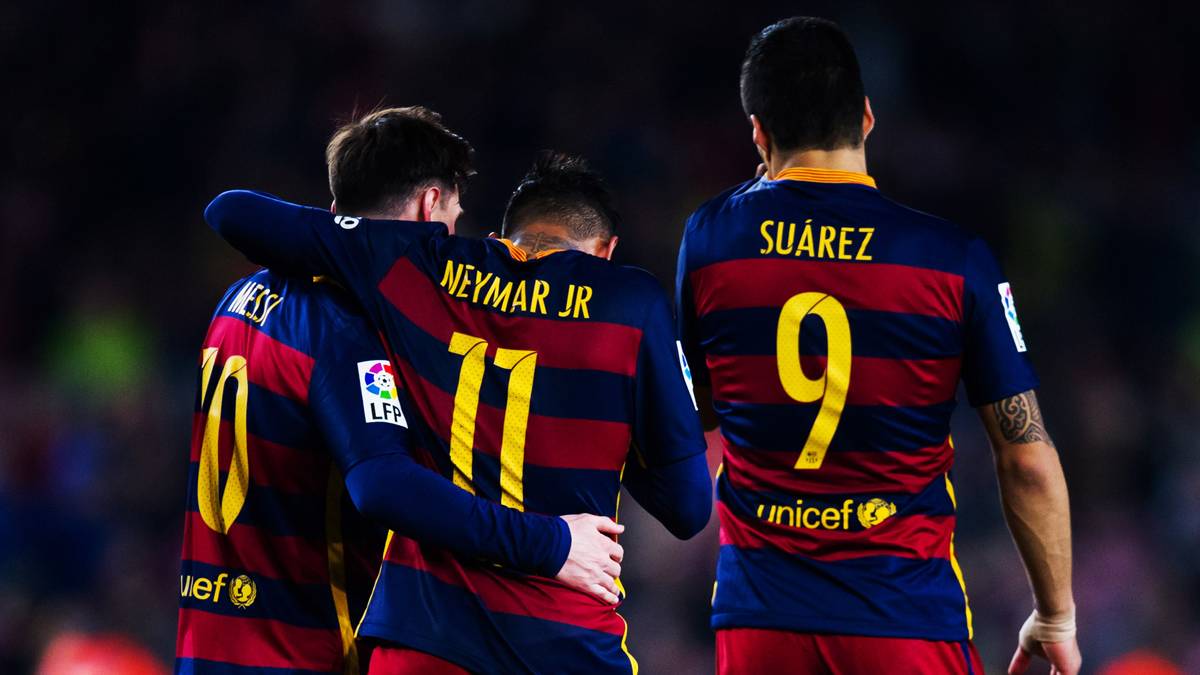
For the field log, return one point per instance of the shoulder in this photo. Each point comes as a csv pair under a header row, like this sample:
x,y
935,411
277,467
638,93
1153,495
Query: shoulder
x,y
715,207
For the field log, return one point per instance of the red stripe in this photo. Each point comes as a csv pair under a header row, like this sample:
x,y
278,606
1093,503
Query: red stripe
x,y
873,381
592,345
553,442
769,282
272,365
916,536
530,596
271,464
248,548
841,473
261,643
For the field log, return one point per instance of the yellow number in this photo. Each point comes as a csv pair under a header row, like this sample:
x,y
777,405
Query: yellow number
x,y
466,405
219,511
522,363
830,388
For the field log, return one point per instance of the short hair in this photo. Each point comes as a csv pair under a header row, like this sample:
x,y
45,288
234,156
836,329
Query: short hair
x,y
383,158
565,190
801,78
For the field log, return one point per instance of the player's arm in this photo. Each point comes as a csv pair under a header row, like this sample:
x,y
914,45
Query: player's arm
x,y
686,324
668,470
1000,384
1033,491
387,485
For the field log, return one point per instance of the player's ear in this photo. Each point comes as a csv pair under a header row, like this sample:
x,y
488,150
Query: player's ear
x,y
610,247
868,117
761,141
429,201
333,206
493,235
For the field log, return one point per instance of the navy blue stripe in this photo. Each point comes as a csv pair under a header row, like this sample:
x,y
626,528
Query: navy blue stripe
x,y
270,416
934,500
285,514
610,395
551,490
785,427
184,666
304,605
882,596
415,609
889,335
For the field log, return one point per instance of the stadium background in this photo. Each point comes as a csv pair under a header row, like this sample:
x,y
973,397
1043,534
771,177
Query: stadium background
x,y
1061,135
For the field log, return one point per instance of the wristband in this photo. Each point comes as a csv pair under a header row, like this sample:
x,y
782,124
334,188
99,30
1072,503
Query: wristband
x,y
1040,628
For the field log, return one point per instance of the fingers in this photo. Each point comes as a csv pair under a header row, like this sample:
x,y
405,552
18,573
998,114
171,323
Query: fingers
x,y
609,526
612,569
616,552
1020,662
604,594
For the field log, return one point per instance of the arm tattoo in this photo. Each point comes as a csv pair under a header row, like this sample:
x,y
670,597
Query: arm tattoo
x,y
1020,419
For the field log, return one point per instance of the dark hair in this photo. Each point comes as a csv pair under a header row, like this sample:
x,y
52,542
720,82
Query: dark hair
x,y
801,78
383,158
562,189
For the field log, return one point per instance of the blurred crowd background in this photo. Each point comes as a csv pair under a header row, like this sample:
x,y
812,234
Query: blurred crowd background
x,y
1060,134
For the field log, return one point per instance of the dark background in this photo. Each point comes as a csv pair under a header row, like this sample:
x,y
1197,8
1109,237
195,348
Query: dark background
x,y
1061,135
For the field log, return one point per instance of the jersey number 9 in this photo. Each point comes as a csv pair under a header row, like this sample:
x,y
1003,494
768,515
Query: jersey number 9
x,y
831,387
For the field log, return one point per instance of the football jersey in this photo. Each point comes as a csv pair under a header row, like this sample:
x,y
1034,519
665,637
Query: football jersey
x,y
277,565
833,326
530,378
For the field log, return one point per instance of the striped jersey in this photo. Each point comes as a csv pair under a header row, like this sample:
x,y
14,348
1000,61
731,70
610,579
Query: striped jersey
x,y
833,326
530,379
277,565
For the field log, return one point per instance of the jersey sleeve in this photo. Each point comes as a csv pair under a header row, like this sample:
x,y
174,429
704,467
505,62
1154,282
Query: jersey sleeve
x,y
357,405
995,360
302,240
667,425
686,320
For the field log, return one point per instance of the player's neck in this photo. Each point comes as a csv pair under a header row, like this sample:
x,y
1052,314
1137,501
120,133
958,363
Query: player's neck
x,y
842,159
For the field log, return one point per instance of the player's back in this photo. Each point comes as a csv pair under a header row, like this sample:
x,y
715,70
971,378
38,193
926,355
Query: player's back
x,y
277,564
532,379
834,326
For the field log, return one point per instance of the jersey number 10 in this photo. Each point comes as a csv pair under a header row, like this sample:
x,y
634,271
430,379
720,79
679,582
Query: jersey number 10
x,y
831,387
522,363
220,510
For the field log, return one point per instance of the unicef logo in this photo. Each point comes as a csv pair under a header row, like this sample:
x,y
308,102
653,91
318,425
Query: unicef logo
x,y
874,512
380,381
242,592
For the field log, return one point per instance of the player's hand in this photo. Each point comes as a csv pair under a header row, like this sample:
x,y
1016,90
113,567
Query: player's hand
x,y
1063,655
594,562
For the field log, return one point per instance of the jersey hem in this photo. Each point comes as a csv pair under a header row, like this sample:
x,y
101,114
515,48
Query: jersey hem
x,y
385,635
812,624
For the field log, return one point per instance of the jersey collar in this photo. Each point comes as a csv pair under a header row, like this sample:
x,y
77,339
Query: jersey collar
x,y
815,175
519,253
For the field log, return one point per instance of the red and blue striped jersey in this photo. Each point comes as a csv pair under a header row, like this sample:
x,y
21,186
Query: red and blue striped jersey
x,y
530,378
833,326
277,565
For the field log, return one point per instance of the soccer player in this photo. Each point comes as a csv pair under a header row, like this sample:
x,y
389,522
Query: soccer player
x,y
833,325
533,363
299,427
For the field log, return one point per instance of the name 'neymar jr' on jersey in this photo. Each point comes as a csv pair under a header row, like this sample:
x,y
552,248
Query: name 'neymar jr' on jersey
x,y
531,374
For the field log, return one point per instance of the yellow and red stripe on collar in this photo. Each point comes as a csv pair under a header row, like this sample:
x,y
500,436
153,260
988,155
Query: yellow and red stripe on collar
x,y
519,253
815,175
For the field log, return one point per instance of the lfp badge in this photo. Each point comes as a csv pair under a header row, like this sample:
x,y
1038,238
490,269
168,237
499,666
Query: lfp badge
x,y
380,399
1010,315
